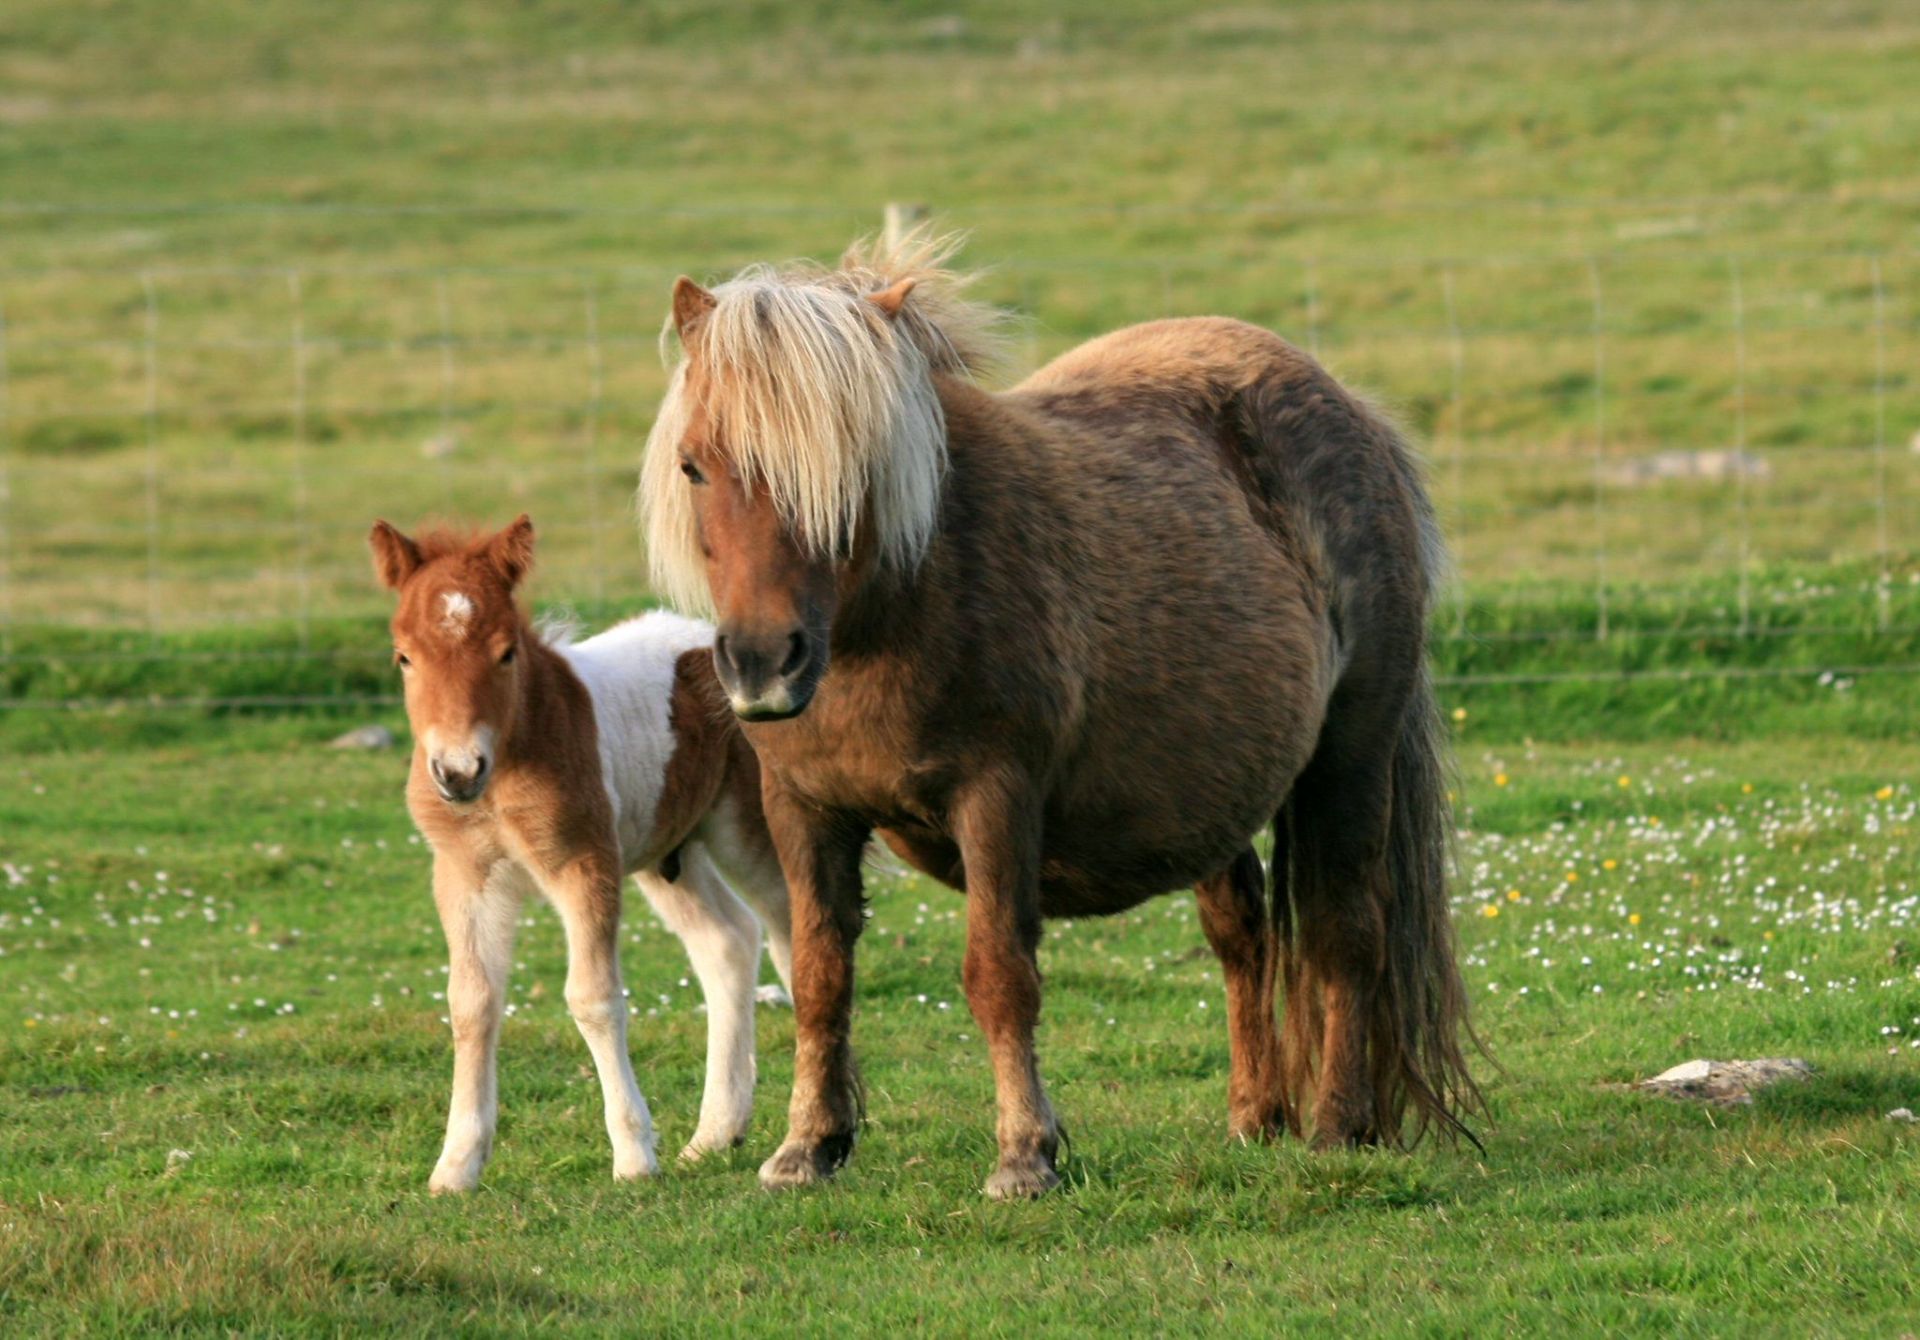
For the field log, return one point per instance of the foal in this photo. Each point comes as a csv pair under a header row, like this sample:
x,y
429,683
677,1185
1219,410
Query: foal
x,y
557,768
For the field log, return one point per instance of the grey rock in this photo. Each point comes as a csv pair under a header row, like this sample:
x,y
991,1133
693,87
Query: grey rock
x,y
1725,1083
364,737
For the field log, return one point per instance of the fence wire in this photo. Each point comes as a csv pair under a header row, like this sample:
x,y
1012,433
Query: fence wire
x,y
1705,443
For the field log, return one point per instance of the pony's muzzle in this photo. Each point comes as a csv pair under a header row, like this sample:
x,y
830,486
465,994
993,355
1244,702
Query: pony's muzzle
x,y
767,676
461,782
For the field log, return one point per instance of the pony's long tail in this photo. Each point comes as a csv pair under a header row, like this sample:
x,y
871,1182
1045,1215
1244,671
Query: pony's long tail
x,y
1423,1006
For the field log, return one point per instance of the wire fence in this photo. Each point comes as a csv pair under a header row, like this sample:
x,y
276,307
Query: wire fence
x,y
1690,444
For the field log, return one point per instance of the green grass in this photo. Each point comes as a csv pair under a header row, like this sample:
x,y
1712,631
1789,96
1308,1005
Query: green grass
x,y
273,269
231,951
485,204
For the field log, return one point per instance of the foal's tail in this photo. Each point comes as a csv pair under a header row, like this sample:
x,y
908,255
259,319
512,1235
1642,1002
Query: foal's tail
x,y
1424,1005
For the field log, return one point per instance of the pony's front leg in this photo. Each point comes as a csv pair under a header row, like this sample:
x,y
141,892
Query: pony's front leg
x,y
997,827
586,894
477,912
821,855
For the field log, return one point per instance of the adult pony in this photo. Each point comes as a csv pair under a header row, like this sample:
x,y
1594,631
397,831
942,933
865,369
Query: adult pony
x,y
1067,647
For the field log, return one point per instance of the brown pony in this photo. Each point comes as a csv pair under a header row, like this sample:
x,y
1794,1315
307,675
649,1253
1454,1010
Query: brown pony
x,y
1067,647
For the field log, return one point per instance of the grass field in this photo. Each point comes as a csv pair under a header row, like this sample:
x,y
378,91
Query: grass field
x,y
232,953
257,259
271,269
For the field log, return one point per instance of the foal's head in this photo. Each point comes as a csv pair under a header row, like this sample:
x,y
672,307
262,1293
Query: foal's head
x,y
456,637
801,448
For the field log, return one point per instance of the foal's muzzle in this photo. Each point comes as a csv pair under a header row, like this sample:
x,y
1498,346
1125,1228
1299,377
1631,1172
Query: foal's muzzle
x,y
768,676
461,784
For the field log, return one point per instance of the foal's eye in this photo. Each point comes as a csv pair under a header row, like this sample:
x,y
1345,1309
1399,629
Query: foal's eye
x,y
400,659
692,472
506,657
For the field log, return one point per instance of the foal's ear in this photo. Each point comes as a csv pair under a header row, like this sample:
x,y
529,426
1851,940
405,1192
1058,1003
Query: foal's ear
x,y
892,298
511,551
395,557
691,303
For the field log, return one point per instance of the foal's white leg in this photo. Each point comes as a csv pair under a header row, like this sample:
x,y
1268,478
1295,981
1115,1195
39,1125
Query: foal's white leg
x,y
587,897
477,912
723,943
752,870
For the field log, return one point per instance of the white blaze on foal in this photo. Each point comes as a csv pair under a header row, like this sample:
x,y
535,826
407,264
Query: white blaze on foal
x,y
559,769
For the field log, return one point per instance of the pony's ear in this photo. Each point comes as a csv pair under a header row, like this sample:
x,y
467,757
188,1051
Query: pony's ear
x,y
691,303
511,551
395,557
892,298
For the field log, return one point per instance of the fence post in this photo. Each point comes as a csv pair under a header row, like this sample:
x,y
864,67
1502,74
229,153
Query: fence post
x,y
1600,628
302,503
1738,293
6,504
150,416
1884,597
900,219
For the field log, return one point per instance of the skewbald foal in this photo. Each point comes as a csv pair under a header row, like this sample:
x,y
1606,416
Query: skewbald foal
x,y
561,768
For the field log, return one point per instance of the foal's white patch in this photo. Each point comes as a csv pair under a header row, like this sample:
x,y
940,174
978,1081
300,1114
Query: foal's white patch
x,y
455,611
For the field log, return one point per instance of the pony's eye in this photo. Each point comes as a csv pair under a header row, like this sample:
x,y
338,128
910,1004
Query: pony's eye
x,y
692,471
400,659
506,657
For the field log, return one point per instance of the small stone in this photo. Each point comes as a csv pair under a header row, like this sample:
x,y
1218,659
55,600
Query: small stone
x,y
1901,1114
363,737
1687,1072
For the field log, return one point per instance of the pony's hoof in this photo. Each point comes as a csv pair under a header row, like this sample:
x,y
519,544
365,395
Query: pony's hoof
x,y
1025,1181
795,1164
1257,1130
1331,1141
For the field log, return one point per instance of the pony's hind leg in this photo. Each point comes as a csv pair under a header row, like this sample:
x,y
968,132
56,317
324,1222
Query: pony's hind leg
x,y
722,940
1339,895
1234,914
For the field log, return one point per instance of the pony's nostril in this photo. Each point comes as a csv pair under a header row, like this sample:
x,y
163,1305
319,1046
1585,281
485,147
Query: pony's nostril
x,y
438,773
796,655
723,647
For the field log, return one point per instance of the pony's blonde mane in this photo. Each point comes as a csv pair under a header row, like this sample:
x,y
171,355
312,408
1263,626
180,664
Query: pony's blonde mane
x,y
822,399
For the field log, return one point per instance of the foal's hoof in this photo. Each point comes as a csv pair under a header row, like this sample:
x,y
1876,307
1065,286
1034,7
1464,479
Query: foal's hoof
x,y
702,1145
1024,1181
452,1181
795,1164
